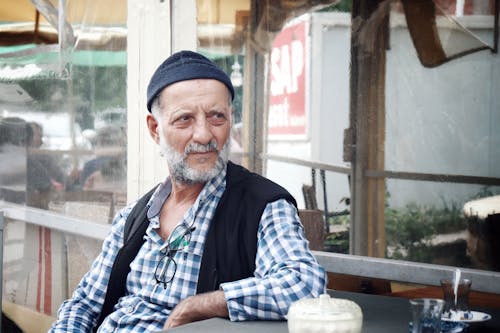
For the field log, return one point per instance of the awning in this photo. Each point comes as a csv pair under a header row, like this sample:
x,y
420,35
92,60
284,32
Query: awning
x,y
32,61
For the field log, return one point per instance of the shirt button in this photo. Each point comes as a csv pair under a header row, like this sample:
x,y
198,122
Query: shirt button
x,y
130,309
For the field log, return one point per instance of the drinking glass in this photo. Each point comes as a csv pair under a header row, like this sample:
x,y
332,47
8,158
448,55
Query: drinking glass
x,y
456,298
426,314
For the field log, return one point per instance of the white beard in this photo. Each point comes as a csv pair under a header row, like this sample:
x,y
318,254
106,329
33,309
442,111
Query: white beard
x,y
181,172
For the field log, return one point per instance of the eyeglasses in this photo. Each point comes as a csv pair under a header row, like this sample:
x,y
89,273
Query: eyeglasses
x,y
178,240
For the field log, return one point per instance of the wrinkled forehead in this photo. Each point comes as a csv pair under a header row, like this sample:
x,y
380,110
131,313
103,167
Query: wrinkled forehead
x,y
196,92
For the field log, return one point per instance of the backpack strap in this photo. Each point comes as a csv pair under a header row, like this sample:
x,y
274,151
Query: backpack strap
x,y
133,238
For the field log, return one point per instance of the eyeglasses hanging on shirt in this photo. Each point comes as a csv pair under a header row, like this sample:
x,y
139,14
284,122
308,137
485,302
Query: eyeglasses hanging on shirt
x,y
178,240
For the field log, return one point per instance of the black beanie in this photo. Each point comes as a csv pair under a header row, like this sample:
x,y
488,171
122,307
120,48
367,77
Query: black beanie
x,y
185,65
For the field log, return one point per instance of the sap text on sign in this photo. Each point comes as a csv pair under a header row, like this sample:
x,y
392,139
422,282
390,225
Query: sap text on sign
x,y
287,65
288,72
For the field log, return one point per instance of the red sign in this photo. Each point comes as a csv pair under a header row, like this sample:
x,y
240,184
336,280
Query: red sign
x,y
287,102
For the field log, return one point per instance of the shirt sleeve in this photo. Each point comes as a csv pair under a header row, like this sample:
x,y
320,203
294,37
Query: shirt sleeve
x,y
286,270
81,312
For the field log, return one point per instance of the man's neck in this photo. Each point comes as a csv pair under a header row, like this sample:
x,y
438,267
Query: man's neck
x,y
182,192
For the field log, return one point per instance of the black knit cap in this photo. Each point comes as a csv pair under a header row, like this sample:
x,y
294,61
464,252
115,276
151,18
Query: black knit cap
x,y
182,66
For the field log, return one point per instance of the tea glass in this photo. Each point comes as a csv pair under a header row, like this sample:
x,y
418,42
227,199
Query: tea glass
x,y
456,299
426,314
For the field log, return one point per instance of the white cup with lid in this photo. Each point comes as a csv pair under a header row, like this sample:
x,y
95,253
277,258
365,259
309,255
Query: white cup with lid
x,y
324,315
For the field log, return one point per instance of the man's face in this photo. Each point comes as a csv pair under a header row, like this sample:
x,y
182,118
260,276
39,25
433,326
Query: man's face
x,y
194,128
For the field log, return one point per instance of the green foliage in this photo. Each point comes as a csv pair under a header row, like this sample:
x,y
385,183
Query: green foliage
x,y
409,229
97,88
101,87
42,90
486,191
337,242
341,218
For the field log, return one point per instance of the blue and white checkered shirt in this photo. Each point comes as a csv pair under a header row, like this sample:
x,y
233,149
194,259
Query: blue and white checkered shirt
x,y
285,270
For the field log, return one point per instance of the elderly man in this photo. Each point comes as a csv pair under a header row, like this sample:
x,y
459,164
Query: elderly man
x,y
219,241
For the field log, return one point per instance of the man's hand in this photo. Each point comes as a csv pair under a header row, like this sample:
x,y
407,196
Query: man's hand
x,y
198,307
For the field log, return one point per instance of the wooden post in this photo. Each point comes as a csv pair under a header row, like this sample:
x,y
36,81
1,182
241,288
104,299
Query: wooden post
x,y
367,124
312,220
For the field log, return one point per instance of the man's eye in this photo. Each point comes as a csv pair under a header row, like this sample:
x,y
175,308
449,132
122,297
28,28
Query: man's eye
x,y
183,119
217,117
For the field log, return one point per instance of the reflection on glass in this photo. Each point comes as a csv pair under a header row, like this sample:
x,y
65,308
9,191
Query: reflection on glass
x,y
378,100
441,32
221,32
69,107
236,76
62,106
401,131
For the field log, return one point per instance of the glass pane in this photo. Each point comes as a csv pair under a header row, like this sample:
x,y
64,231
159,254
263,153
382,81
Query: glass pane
x,y
437,123
62,143
221,36
440,29
352,105
72,99
308,114
440,229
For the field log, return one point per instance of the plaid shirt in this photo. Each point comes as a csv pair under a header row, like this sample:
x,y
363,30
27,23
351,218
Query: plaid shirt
x,y
285,270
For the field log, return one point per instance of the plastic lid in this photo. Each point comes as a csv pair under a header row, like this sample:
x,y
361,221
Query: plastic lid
x,y
325,308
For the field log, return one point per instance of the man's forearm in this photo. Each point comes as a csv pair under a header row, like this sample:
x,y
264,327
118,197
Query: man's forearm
x,y
198,307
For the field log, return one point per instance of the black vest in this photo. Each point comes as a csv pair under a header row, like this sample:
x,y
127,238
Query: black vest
x,y
231,242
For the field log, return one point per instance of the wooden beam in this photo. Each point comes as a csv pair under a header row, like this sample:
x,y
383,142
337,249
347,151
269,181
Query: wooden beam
x,y
367,125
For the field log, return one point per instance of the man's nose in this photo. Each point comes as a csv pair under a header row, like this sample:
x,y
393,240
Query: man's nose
x,y
201,132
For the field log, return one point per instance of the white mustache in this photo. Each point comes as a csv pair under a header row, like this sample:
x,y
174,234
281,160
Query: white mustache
x,y
199,148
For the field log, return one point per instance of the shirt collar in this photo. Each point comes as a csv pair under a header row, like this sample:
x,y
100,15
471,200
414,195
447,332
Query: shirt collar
x,y
165,188
158,198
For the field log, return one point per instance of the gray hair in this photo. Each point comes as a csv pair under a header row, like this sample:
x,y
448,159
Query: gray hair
x,y
156,107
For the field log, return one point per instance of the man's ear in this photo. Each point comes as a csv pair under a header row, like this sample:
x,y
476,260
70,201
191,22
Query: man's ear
x,y
153,127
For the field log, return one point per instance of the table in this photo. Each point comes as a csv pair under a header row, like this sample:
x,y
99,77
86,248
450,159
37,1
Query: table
x,y
381,314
